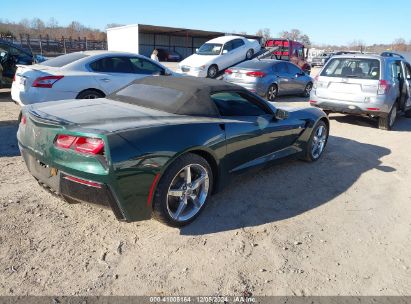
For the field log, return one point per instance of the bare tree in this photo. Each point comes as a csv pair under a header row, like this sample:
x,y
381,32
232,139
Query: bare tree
x,y
399,45
265,33
297,35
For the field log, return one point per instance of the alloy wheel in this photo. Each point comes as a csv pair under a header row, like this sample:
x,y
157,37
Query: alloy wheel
x,y
308,89
272,93
188,192
318,141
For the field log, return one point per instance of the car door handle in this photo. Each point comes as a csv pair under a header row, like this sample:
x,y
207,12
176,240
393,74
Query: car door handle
x,y
105,79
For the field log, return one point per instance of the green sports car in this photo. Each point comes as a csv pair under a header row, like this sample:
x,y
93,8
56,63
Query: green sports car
x,y
161,146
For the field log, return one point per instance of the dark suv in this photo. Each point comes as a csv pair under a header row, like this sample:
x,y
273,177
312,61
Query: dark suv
x,y
11,55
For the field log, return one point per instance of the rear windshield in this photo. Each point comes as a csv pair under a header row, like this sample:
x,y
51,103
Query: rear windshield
x,y
63,60
361,68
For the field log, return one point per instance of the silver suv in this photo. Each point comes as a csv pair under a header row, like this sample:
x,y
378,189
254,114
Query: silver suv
x,y
374,85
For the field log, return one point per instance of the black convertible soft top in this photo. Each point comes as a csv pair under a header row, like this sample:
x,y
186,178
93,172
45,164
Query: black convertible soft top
x,y
176,95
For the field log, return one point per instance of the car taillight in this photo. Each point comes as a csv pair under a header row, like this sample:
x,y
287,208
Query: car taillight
x,y
257,74
23,120
228,71
14,77
383,87
87,145
46,81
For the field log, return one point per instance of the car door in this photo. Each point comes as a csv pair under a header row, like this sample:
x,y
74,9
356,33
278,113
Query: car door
x,y
113,72
407,68
253,135
239,49
283,78
297,82
229,57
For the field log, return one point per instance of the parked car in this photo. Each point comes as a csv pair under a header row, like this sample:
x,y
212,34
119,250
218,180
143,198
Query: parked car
x,y
290,50
375,85
168,55
126,151
270,78
81,75
321,59
10,55
218,54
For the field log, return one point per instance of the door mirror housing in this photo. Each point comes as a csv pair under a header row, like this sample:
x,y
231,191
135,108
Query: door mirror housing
x,y
280,114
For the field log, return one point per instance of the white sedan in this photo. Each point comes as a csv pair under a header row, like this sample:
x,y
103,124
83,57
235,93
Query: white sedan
x,y
218,54
81,75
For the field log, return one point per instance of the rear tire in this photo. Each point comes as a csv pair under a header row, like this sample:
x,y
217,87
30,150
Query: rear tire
x,y
249,55
407,113
318,141
272,92
387,122
173,209
90,94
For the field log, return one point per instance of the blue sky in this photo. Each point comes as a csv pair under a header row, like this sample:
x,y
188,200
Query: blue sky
x,y
332,22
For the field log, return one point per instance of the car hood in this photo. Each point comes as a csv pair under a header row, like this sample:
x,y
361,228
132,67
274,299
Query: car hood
x,y
105,115
198,60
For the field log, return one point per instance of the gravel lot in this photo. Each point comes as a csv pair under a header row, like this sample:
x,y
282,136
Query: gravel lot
x,y
341,226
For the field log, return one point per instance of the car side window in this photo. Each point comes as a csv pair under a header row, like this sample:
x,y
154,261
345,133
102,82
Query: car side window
x,y
238,43
228,46
237,104
293,69
112,65
143,66
282,67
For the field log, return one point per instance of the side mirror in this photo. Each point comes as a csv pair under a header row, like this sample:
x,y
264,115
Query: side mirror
x,y
281,114
225,52
196,51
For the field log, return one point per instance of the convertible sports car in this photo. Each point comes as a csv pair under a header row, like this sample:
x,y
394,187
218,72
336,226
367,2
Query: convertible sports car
x,y
161,145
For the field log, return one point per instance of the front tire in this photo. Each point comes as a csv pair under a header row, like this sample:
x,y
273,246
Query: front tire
x,y
387,122
307,90
212,71
407,113
318,141
183,191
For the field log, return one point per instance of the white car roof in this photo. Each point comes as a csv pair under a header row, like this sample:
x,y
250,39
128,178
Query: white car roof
x,y
224,39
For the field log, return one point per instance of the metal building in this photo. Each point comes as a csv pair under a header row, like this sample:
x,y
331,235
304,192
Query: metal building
x,y
143,39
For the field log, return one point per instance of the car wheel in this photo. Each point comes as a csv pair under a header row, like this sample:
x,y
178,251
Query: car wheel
x,y
387,122
249,55
307,90
183,191
407,113
272,92
212,71
318,141
89,94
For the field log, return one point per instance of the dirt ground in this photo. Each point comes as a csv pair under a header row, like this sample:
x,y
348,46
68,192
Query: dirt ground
x,y
340,226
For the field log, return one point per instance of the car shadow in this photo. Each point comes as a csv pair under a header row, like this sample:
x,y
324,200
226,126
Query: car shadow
x,y
402,123
8,143
289,189
292,98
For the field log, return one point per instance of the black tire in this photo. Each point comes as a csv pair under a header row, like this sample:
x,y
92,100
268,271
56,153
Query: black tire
x,y
307,90
90,94
387,122
272,92
407,113
160,200
249,54
309,155
212,71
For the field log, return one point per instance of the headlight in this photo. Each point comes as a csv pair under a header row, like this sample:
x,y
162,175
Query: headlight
x,y
200,68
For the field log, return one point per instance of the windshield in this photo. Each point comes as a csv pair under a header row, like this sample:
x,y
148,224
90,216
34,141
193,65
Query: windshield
x,y
63,60
210,49
362,68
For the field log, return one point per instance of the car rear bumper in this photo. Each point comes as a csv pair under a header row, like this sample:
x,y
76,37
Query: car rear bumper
x,y
255,87
73,189
36,95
